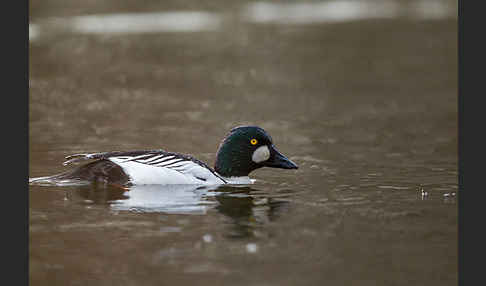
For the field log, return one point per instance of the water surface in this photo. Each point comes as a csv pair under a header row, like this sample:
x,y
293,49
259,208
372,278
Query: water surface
x,y
366,107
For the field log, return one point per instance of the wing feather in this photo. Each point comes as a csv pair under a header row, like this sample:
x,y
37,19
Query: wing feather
x,y
184,164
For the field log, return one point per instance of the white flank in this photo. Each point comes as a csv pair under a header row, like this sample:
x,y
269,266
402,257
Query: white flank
x,y
143,174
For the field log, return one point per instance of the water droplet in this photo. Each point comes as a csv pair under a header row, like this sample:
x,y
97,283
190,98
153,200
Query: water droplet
x,y
251,248
207,238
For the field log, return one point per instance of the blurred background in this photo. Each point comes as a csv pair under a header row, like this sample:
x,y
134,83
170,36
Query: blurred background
x,y
362,95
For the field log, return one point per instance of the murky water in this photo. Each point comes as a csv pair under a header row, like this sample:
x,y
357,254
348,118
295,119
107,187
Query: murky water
x,y
366,106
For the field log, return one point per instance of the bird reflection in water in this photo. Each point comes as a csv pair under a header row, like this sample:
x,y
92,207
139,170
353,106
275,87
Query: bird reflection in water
x,y
244,211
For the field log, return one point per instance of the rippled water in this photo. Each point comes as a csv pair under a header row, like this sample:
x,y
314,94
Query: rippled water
x,y
365,107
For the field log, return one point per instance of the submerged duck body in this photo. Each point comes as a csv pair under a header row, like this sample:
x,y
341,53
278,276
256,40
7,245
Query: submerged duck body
x,y
242,150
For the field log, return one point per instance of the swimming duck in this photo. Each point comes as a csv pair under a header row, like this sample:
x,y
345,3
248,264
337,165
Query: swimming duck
x,y
243,150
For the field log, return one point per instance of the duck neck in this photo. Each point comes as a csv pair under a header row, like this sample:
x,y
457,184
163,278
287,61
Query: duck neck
x,y
227,169
231,165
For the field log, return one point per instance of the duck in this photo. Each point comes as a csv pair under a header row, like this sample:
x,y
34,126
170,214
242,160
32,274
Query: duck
x,y
243,150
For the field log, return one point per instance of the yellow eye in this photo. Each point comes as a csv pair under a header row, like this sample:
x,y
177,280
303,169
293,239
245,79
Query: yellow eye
x,y
253,141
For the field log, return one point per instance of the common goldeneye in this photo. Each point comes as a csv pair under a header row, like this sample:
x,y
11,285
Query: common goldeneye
x,y
242,150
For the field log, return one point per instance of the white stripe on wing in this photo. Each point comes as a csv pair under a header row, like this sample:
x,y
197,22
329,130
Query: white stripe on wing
x,y
161,160
133,158
153,158
167,163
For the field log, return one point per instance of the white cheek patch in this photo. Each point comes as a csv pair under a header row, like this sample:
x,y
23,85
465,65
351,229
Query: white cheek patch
x,y
261,154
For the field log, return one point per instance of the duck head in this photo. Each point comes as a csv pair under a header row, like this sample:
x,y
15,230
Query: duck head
x,y
247,148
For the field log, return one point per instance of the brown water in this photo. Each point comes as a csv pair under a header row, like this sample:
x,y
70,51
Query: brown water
x,y
367,109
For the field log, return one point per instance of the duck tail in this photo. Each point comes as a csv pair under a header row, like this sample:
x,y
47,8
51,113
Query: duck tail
x,y
65,178
55,180
75,158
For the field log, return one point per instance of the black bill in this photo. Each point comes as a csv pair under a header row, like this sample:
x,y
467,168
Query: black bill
x,y
277,160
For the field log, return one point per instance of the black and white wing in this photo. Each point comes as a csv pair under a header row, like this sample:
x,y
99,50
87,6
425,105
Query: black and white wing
x,y
75,158
156,167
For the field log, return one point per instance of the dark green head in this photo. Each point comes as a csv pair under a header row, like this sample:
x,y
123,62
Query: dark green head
x,y
247,148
